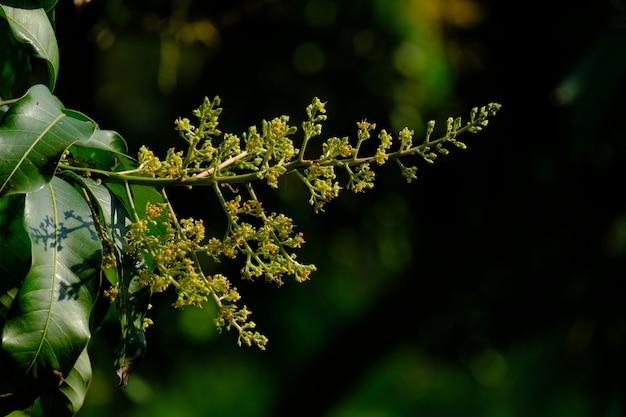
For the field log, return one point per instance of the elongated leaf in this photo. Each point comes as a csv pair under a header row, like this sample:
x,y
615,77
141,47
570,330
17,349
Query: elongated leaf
x,y
14,250
32,28
33,135
15,393
47,326
140,194
132,306
114,219
14,264
114,213
107,140
133,298
104,150
14,64
70,396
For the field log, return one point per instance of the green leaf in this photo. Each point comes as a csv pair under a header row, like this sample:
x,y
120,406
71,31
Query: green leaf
x,y
32,29
113,212
114,219
33,135
14,64
133,298
47,326
107,140
140,196
14,265
103,150
14,250
70,396
132,305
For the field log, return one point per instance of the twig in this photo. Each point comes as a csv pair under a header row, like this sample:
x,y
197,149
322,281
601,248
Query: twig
x,y
222,165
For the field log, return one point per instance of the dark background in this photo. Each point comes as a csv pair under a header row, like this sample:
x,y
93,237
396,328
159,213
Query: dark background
x,y
489,287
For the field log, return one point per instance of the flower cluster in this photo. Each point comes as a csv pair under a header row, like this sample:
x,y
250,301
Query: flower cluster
x,y
271,150
322,184
230,317
264,241
169,247
152,166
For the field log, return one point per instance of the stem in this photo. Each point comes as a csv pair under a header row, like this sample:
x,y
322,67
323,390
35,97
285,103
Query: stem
x,y
264,219
179,232
122,176
172,213
223,165
129,194
9,102
222,200
210,177
305,142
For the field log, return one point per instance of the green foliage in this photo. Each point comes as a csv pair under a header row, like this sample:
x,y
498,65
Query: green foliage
x,y
85,227
26,30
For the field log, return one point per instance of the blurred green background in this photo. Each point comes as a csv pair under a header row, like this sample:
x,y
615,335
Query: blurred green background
x,y
489,287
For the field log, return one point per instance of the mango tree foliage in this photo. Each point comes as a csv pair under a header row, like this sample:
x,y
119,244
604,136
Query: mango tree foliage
x,y
86,229
27,33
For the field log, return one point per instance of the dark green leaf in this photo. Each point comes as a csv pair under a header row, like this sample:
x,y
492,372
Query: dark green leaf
x,y
47,326
14,250
133,298
14,265
103,150
141,195
132,305
14,64
33,30
107,140
113,212
113,220
15,393
69,397
33,135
